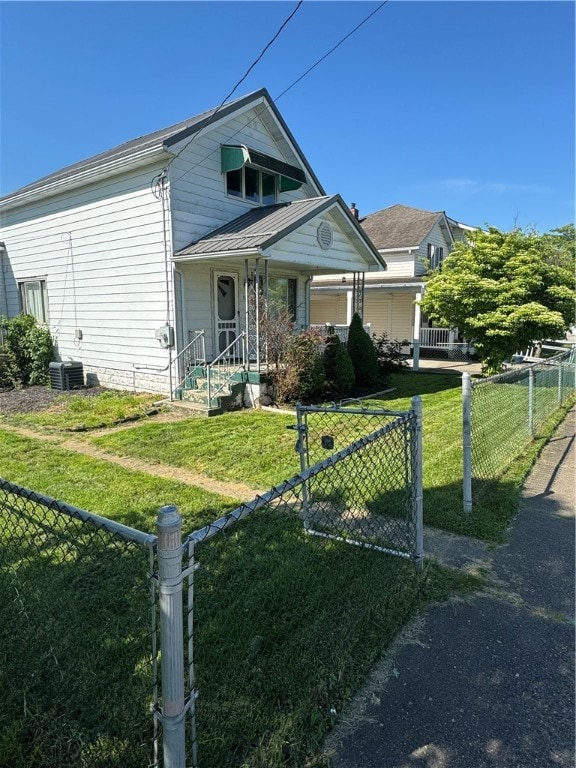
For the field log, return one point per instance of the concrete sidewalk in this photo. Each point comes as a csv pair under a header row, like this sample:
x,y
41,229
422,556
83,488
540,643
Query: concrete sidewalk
x,y
487,682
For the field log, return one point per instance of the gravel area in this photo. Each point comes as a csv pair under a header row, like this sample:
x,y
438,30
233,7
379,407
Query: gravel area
x,y
38,398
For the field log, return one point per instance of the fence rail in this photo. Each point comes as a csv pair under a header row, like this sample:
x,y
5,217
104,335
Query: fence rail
x,y
503,414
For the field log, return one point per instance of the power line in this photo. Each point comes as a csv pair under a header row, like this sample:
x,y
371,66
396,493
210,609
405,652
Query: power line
x,y
320,60
307,72
244,76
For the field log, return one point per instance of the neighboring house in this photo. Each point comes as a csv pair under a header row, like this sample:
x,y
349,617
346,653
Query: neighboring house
x,y
148,259
412,242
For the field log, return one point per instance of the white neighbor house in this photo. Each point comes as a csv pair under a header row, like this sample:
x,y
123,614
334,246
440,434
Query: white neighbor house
x,y
142,261
412,241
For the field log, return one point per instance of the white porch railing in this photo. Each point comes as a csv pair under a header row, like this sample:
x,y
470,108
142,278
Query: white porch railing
x,y
223,368
340,330
194,354
436,337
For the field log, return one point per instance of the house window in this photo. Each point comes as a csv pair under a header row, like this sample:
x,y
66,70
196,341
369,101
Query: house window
x,y
435,256
252,184
282,293
34,299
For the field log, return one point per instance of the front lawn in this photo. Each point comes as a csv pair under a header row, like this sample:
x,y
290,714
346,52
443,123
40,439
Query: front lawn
x,y
288,627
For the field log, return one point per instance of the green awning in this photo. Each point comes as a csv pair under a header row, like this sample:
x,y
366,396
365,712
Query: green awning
x,y
232,158
287,184
235,156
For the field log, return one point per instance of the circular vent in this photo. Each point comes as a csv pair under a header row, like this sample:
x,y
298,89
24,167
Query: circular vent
x,y
325,235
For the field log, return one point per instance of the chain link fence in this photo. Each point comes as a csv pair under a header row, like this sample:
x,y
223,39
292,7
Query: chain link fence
x,y
503,414
97,619
360,482
77,636
368,497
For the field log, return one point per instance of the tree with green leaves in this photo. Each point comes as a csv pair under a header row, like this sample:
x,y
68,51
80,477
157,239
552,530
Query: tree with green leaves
x,y
29,351
505,290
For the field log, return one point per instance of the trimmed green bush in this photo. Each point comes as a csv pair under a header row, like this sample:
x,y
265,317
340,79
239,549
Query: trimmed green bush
x,y
390,357
29,350
338,366
363,353
303,376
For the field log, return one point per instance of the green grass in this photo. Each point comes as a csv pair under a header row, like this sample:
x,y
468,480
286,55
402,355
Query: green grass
x,y
132,498
251,447
85,411
256,448
287,626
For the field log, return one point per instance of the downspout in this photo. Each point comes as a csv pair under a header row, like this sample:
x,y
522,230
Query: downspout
x,y
3,253
307,302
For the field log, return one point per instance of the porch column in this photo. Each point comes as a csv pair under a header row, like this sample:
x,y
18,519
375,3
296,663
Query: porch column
x,y
416,339
247,311
257,312
358,294
349,307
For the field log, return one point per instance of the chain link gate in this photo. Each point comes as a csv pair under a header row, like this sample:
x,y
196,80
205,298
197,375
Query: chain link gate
x,y
372,495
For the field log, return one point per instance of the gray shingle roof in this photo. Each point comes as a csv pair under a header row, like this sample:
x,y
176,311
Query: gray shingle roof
x,y
259,228
399,226
165,137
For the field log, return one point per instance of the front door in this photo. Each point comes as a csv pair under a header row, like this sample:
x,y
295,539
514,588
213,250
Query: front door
x,y
226,303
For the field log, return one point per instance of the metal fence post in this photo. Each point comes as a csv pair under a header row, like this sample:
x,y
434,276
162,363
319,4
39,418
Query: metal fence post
x,y
302,446
560,399
418,484
467,441
169,527
531,402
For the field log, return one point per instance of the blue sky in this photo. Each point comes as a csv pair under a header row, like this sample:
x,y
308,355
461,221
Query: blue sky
x,y
466,107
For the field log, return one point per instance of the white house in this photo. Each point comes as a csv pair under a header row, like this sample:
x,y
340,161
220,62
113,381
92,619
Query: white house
x,y
147,259
412,241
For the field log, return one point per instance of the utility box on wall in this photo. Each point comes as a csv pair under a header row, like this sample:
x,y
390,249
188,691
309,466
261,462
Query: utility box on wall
x,y
67,375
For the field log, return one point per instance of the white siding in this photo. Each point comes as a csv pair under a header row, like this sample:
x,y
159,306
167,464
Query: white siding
x,y
400,263
100,249
436,238
198,194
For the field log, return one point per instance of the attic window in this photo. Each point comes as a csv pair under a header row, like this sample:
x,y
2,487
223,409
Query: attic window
x,y
435,256
236,158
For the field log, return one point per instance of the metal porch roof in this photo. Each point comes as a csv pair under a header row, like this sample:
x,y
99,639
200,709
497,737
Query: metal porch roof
x,y
259,228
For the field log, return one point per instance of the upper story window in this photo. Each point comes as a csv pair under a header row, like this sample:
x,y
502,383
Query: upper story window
x,y
34,299
435,255
257,177
252,184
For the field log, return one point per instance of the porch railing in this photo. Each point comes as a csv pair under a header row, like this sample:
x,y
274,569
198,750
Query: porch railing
x,y
340,330
436,337
223,368
194,354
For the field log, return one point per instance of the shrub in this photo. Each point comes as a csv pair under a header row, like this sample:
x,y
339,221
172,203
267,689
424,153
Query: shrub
x,y
29,350
338,366
363,353
303,376
390,357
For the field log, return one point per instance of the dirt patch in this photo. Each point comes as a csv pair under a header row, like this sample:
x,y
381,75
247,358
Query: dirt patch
x,y
39,398
36,399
